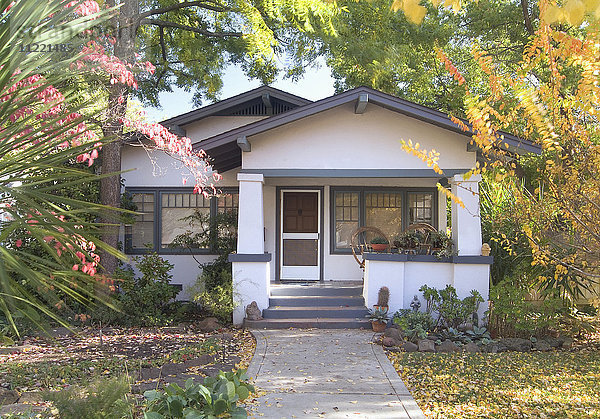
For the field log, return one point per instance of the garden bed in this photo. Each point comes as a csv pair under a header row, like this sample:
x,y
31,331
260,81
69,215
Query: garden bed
x,y
150,357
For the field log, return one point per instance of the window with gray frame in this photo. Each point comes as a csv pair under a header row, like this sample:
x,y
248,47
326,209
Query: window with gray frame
x,y
389,209
165,215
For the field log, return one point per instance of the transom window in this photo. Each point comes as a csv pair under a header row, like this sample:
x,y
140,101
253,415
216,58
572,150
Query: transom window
x,y
165,215
390,210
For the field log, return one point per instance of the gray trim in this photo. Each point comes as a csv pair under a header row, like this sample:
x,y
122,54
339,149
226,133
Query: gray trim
x,y
405,107
246,257
244,144
222,105
397,257
278,198
354,173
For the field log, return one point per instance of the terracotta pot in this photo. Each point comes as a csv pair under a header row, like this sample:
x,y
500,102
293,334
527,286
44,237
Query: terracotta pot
x,y
378,326
379,247
382,308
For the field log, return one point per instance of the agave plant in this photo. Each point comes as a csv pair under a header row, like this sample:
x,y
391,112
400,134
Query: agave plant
x,y
47,241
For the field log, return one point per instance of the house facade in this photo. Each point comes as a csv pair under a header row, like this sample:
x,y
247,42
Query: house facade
x,y
303,176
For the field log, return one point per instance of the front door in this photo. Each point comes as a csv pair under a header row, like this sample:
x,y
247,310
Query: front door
x,y
300,241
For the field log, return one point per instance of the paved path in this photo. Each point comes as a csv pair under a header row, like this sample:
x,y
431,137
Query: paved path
x,y
326,373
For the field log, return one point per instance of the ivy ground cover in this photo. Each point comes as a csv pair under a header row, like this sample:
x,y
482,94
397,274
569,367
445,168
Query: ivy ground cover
x,y
519,385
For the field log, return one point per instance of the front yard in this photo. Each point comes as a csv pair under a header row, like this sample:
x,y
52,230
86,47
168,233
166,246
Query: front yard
x,y
524,385
147,357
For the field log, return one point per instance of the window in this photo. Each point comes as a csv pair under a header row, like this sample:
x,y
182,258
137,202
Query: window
x,y
164,217
346,218
390,210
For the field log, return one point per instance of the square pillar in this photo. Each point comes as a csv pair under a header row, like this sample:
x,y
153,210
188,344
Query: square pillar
x,y
466,222
251,218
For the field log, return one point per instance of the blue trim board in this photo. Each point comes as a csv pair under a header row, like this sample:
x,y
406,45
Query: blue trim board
x,y
397,257
245,257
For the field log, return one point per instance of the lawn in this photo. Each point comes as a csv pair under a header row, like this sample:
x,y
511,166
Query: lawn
x,y
538,384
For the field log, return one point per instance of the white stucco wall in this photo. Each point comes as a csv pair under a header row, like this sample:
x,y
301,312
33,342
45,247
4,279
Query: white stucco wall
x,y
340,139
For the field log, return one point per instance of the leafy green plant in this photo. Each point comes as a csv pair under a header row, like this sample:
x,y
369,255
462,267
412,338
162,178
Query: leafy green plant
x,y
479,334
452,334
378,315
379,240
442,244
219,301
103,399
451,310
408,240
142,300
414,324
217,397
511,314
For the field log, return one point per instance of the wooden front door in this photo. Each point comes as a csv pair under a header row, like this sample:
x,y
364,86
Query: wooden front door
x,y
300,241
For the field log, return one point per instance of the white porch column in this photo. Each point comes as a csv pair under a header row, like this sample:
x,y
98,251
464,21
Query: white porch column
x,y
466,223
251,217
250,265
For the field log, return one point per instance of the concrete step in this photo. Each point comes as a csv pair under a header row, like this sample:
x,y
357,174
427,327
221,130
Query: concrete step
x,y
312,290
352,313
318,301
307,324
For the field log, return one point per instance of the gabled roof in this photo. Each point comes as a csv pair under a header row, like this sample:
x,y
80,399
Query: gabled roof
x,y
238,105
223,148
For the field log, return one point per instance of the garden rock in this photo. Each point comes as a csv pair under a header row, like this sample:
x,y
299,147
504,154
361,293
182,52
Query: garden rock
x,y
471,347
567,343
8,396
31,397
426,345
409,347
542,346
495,347
253,312
20,408
554,342
389,341
210,324
517,344
447,346
393,333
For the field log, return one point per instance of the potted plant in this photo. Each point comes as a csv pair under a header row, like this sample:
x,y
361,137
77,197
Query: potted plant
x,y
383,299
408,240
378,319
379,244
441,244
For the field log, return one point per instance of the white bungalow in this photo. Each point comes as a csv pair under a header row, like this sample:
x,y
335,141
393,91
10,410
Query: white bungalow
x,y
305,175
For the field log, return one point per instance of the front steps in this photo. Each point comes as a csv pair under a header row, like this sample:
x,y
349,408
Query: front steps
x,y
319,305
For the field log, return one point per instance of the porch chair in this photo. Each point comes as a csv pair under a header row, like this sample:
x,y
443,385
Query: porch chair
x,y
360,243
425,229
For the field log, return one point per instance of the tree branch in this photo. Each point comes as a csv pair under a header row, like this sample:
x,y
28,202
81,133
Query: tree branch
x,y
528,25
182,5
166,24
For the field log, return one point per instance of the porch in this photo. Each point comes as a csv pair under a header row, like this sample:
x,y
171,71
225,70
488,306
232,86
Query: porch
x,y
280,244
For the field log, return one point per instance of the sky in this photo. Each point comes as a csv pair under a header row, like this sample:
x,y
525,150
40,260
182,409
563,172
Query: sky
x,y
316,84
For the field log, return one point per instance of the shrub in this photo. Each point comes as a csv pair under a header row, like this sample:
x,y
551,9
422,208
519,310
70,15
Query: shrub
x,y
451,310
141,301
219,301
102,399
218,397
512,315
414,324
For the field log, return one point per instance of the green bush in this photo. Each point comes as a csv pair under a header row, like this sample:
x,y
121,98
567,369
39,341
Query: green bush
x,y
142,300
414,324
218,397
101,399
512,315
451,310
218,301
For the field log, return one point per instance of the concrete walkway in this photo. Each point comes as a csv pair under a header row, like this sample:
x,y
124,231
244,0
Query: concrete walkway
x,y
326,373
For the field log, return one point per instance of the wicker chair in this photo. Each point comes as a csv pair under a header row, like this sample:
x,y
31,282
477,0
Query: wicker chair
x,y
360,245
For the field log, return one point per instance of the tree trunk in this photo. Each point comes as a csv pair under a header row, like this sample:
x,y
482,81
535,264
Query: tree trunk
x,y
110,187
